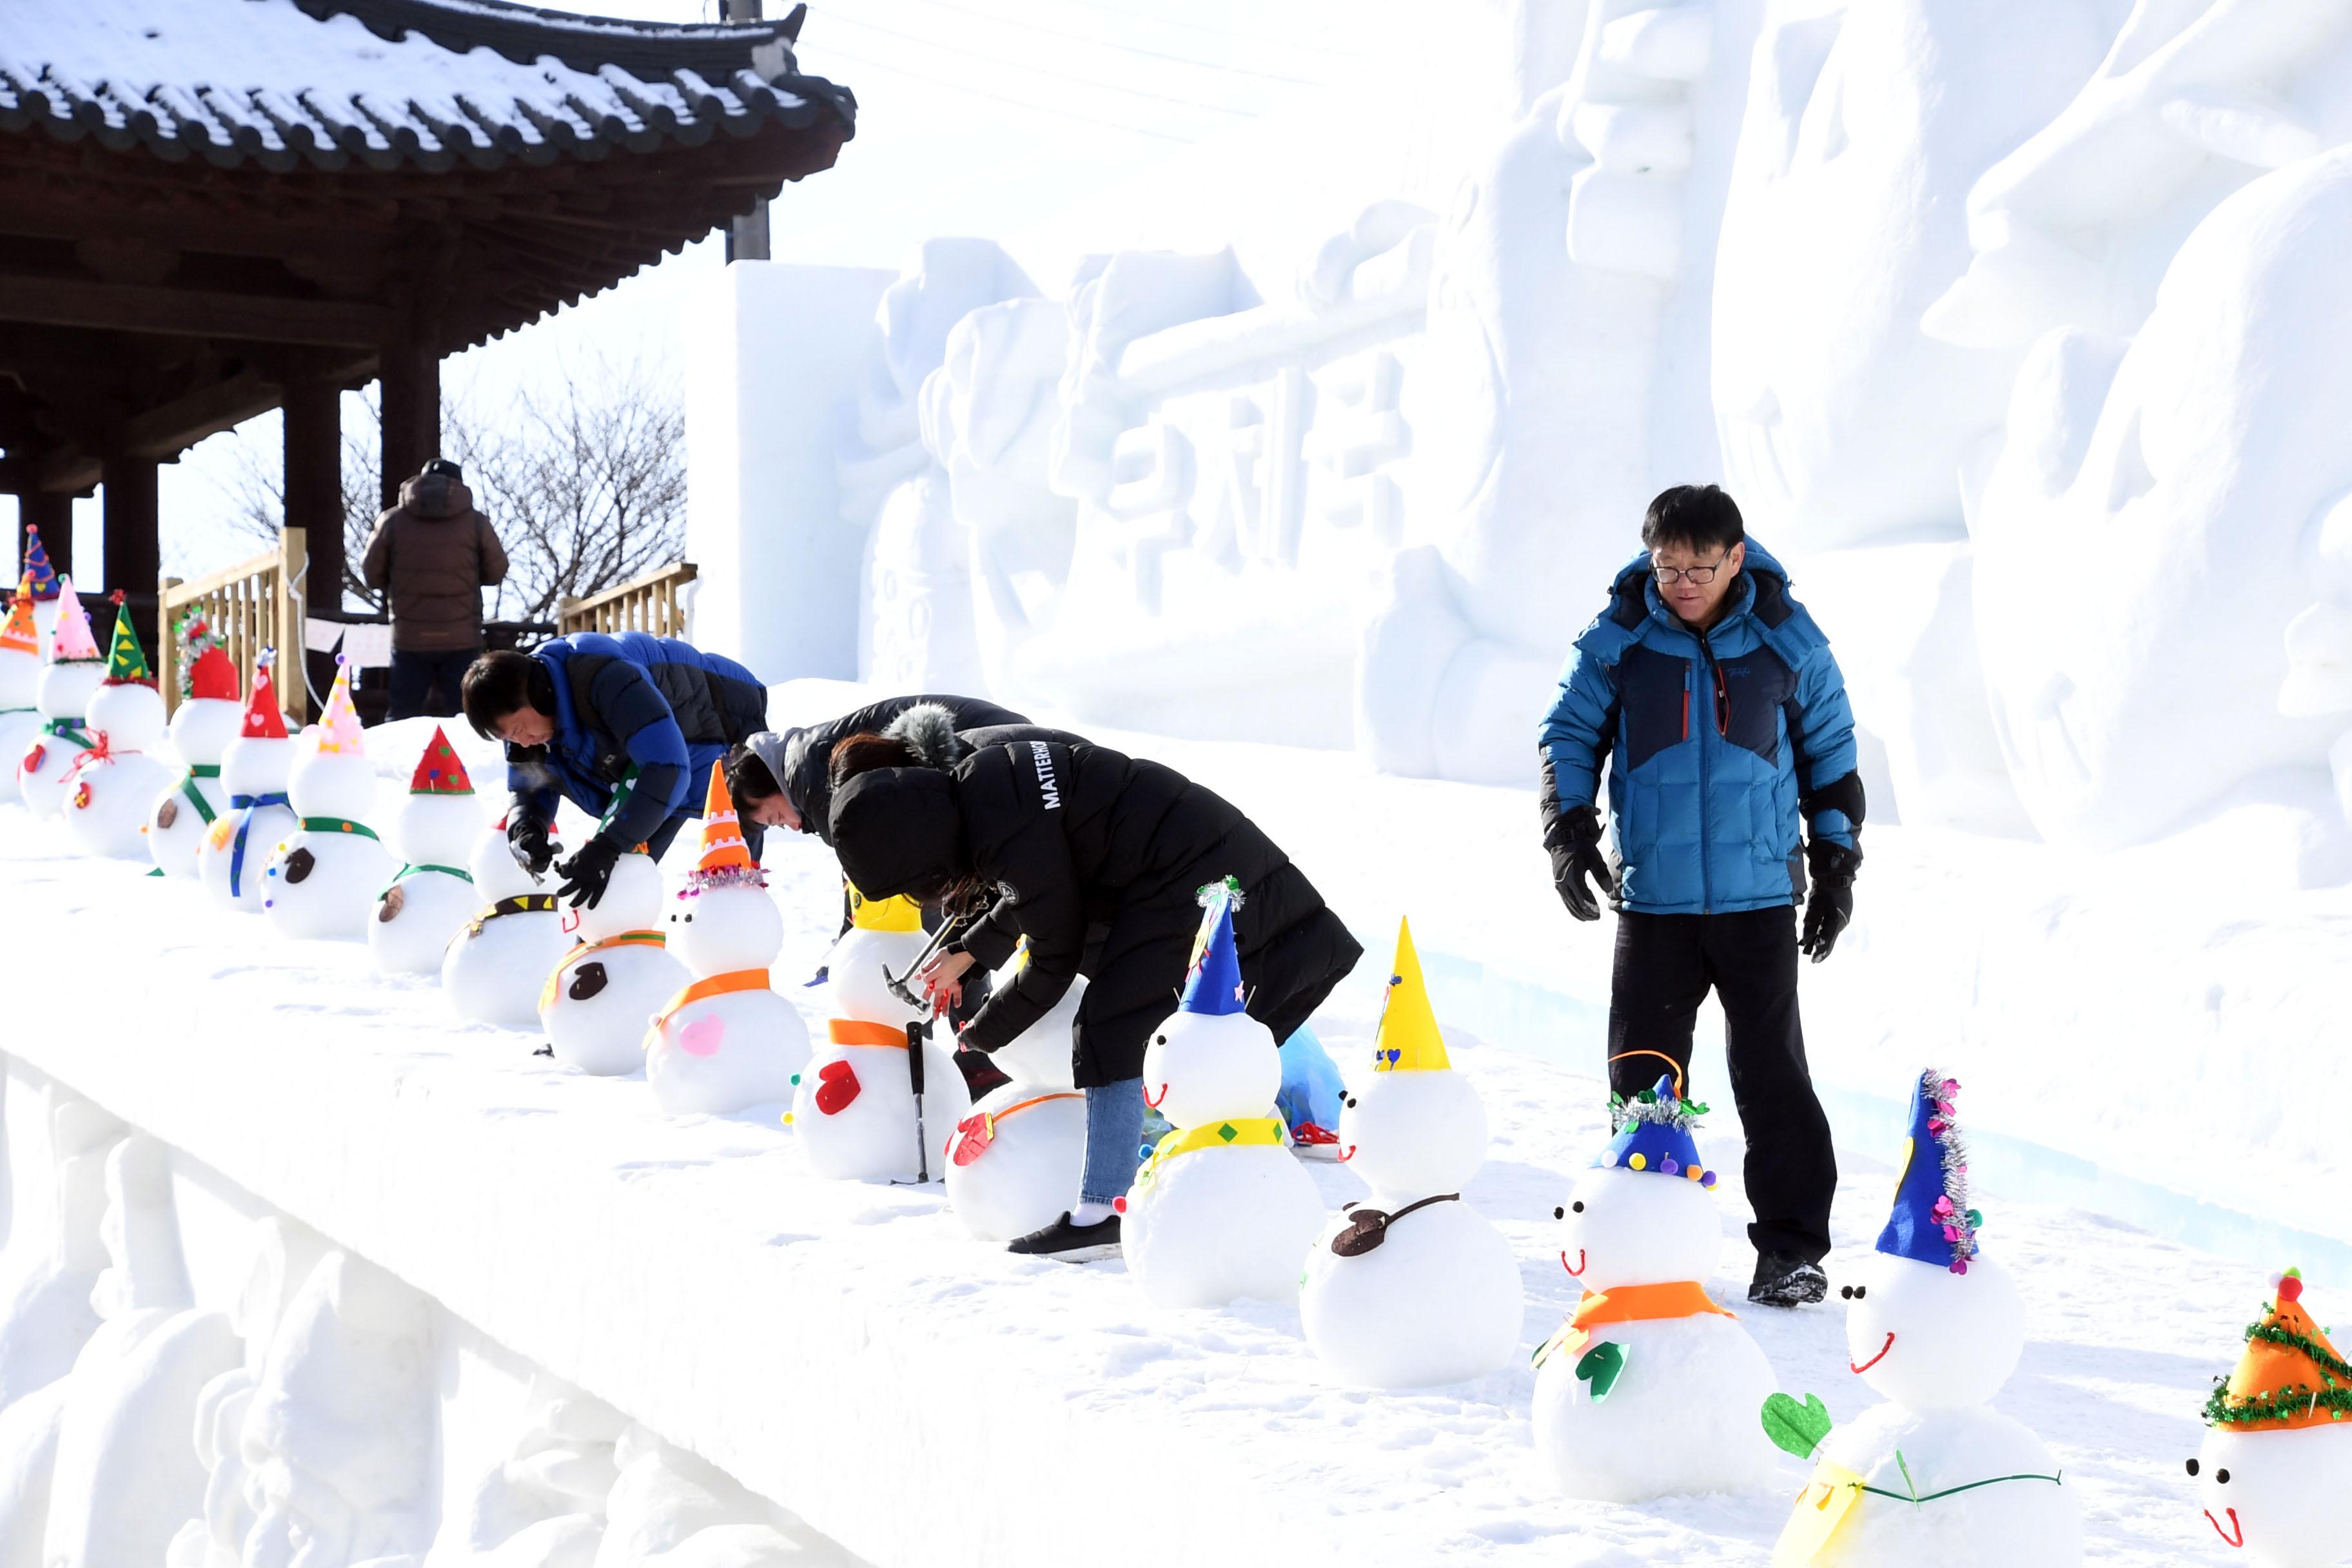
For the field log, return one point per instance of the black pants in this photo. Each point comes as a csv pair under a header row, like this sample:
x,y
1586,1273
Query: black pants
x,y
426,683
1665,965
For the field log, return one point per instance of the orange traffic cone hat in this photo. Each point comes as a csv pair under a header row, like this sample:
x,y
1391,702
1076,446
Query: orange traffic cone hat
x,y
726,858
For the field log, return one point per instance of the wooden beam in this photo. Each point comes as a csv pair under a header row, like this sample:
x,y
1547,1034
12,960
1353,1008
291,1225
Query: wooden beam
x,y
166,431
192,312
314,482
132,549
411,406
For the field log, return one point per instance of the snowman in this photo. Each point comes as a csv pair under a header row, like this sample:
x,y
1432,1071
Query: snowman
x,y
69,681
497,962
1220,1210
1932,1477
1649,1388
48,591
112,786
20,678
593,1006
1016,1159
255,768
854,1103
1415,1288
2277,1466
726,1040
322,879
432,894
203,726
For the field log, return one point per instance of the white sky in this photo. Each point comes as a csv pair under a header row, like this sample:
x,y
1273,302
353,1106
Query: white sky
x,y
1038,121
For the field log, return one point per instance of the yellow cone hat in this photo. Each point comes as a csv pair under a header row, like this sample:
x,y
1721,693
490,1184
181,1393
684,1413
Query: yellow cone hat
x,y
897,914
1408,1040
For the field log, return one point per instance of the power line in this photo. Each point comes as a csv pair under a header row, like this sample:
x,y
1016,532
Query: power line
x,y
1000,97
1048,70
1092,41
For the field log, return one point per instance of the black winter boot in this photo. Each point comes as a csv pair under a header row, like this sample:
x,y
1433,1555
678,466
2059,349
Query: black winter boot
x,y
1785,1280
1070,1243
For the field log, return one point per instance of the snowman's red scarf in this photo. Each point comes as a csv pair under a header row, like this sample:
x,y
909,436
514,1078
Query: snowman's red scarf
x,y
1629,1304
708,986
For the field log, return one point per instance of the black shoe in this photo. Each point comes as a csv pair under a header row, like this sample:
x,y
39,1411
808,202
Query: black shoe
x,y
1070,1243
1785,1280
981,1076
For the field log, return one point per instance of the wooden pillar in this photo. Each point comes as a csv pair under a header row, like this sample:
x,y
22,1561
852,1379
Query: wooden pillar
x,y
52,513
412,411
314,484
134,552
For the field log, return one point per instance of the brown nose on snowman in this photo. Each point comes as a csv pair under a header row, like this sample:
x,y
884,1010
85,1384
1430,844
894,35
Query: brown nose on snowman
x,y
2276,1464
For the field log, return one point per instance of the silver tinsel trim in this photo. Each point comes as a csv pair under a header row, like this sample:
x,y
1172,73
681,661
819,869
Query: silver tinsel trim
x,y
1955,1151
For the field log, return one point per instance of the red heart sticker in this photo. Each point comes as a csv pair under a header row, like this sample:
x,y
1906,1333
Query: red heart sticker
x,y
975,1133
836,1085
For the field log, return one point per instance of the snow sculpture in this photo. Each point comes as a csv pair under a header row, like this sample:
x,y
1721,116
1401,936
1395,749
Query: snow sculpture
x,y
670,1507
203,727
255,767
1650,1388
498,962
322,879
853,1103
69,681
594,1005
432,894
2274,1469
46,1315
1416,1288
111,786
1933,1477
20,682
1220,1210
543,1503
1016,1159
726,1041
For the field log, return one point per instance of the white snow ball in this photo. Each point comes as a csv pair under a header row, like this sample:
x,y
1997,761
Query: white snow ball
x,y
1409,1135
106,806
331,783
131,716
1027,1171
1221,1224
436,829
854,967
256,765
204,727
632,901
2281,1494
1438,1300
1637,1227
853,1110
496,873
597,1016
66,689
20,678
1681,1415
410,927
1929,1339
2013,1524
1210,1067
721,929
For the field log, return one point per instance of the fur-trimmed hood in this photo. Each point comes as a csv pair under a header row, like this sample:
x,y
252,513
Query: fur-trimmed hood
x,y
929,730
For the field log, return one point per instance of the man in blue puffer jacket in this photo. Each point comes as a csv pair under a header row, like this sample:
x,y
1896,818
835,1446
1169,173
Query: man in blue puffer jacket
x,y
626,727
1715,701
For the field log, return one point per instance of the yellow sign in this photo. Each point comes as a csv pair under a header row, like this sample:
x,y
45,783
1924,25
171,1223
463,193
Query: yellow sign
x,y
1821,1509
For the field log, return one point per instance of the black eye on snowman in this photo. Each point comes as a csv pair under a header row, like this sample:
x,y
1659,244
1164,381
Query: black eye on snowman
x,y
1559,1214
1161,1040
1578,1206
1854,1292
2193,1467
2222,1477
1347,1102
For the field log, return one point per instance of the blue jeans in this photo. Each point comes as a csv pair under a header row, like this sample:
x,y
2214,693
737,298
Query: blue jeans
x,y
1114,1139
415,675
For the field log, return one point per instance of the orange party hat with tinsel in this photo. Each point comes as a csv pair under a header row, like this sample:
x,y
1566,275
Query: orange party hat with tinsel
x,y
438,771
262,720
2289,1378
20,635
339,726
726,860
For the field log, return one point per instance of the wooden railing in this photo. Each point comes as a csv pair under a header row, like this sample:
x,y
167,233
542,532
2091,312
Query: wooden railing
x,y
253,604
649,603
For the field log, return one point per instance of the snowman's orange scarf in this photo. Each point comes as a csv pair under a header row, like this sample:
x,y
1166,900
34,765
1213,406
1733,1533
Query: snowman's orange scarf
x,y
857,1032
1629,1304
709,986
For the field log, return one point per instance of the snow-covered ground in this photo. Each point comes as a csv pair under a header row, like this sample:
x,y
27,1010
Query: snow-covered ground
x,y
918,1397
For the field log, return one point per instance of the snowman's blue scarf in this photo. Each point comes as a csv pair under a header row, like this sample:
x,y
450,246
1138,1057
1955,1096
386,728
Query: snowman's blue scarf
x,y
247,803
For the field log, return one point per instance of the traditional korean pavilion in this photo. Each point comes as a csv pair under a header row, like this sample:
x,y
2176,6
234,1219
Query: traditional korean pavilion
x,y
211,208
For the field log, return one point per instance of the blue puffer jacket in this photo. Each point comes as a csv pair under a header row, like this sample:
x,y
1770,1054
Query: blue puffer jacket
x,y
1716,743
662,708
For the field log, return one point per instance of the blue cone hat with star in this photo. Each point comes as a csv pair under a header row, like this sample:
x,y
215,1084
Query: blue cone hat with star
x,y
1214,983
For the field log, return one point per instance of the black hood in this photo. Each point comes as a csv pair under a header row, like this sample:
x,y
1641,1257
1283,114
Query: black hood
x,y
899,831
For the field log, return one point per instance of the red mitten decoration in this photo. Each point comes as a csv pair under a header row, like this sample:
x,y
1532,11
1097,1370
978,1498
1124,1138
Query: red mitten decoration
x,y
975,1133
35,758
836,1085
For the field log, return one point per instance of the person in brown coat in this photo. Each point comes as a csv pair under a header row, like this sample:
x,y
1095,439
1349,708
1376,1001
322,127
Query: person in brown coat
x,y
433,554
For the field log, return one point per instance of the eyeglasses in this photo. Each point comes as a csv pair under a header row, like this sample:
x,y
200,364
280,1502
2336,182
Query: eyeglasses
x,y
1668,576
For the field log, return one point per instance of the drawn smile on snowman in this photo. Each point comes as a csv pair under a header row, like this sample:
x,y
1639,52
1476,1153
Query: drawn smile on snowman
x,y
1156,1104
1873,1360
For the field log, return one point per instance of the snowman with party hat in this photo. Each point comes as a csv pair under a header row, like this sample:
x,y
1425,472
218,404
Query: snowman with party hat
x,y
1650,1388
2276,1464
1414,1287
1222,1210
254,769
726,1040
1932,1477
20,681
50,592
593,1005
322,878
854,1103
111,787
432,894
203,727
69,681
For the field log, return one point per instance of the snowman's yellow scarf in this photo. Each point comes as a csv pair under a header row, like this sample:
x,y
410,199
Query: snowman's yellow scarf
x,y
555,981
1231,1134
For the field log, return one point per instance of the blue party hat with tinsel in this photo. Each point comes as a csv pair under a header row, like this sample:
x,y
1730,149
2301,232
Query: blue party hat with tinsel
x,y
1931,1221
1654,1135
39,575
1214,983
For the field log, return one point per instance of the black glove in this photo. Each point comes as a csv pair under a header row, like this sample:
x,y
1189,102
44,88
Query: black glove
x,y
1574,839
527,836
586,874
1831,904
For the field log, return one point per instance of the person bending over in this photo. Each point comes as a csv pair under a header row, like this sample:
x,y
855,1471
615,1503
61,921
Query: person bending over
x,y
778,778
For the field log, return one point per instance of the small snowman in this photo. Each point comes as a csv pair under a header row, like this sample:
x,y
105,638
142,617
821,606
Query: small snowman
x,y
20,680
1414,1289
2277,1466
853,1103
1016,1159
111,787
594,1004
1650,1388
727,1040
432,894
322,878
1932,1477
203,726
255,768
69,681
50,591
496,963
1220,1210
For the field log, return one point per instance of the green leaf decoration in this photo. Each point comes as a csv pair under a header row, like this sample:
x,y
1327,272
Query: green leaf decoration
x,y
1796,1429
1905,1466
1603,1365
